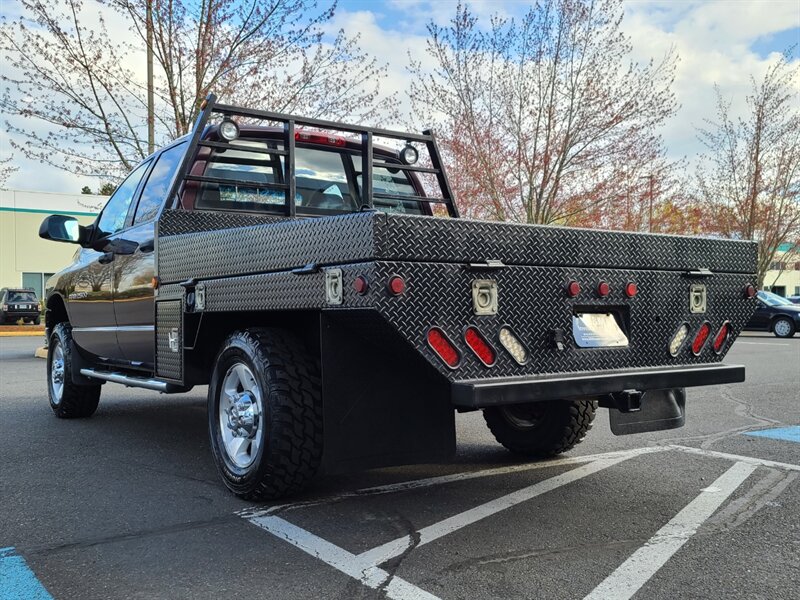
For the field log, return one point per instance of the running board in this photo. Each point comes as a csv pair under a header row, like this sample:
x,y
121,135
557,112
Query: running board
x,y
133,381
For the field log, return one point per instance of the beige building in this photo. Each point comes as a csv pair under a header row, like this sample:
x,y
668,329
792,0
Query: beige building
x,y
783,276
25,259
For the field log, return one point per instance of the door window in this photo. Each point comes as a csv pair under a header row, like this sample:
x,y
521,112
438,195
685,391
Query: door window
x,y
116,210
158,183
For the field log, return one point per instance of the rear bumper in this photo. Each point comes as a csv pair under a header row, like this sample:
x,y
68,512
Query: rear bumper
x,y
481,393
21,314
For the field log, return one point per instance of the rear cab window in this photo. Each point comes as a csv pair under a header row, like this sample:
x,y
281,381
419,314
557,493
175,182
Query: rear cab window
x,y
327,181
22,296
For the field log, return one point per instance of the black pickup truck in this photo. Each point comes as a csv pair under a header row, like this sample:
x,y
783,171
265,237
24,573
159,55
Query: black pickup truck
x,y
298,270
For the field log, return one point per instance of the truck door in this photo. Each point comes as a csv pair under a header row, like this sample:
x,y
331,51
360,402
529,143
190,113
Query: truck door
x,y
134,294
91,307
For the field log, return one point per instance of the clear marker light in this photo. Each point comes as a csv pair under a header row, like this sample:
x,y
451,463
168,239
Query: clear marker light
x,y
678,339
514,347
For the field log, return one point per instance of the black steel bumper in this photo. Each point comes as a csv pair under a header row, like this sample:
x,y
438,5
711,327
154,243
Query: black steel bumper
x,y
480,393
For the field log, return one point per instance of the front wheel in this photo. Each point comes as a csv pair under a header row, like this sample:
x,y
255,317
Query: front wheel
x,y
265,414
68,400
541,429
783,327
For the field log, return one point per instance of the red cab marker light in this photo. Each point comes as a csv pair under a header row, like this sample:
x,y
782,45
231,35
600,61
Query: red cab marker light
x,y
631,289
478,344
701,338
722,337
573,289
397,285
749,290
603,289
443,347
361,285
319,138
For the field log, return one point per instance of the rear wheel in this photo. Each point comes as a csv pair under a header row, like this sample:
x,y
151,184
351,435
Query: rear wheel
x,y
68,400
783,327
265,414
541,429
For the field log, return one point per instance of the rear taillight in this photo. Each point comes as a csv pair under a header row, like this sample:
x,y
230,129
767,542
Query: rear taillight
x,y
361,285
443,347
573,289
722,336
700,338
676,343
478,344
397,285
513,345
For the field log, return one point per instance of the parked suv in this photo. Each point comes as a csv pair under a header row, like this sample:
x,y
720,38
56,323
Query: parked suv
x,y
16,304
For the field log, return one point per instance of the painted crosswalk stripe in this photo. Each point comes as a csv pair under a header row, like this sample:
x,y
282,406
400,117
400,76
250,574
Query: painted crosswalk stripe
x,y
631,575
17,581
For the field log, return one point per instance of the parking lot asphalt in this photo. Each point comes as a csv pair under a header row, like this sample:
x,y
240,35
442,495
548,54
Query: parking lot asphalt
x,y
128,504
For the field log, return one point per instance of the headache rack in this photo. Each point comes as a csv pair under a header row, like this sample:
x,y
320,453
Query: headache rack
x,y
210,107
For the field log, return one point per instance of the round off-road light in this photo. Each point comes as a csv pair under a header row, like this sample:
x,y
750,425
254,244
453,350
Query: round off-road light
x,y
228,130
409,155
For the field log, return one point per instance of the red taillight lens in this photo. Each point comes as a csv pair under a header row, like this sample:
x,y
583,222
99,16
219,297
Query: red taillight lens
x,y
700,338
397,285
319,138
631,289
722,337
749,291
573,289
603,289
361,285
442,345
478,344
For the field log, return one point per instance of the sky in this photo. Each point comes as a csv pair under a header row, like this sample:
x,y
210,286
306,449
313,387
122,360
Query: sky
x,y
718,42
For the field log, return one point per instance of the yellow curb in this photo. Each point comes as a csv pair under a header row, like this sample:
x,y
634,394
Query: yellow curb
x,y
40,352
22,333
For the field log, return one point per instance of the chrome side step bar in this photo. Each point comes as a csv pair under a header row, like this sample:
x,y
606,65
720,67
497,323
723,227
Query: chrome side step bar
x,y
130,381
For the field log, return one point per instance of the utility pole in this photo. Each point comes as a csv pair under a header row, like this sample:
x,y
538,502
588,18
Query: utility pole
x,y
151,121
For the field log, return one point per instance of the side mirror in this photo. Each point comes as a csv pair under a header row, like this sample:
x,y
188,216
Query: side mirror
x,y
60,228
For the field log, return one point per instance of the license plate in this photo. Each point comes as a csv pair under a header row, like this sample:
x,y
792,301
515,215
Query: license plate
x,y
597,330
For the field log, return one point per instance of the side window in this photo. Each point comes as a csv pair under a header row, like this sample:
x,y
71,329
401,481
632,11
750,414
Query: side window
x,y
116,210
157,185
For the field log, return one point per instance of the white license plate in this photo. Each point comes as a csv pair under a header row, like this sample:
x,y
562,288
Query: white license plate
x,y
597,330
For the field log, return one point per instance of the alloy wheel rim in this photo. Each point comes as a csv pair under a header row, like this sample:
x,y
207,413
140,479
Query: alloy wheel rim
x,y
782,328
57,373
241,415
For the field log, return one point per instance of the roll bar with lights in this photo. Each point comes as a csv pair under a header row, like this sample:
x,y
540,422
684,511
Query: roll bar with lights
x,y
408,155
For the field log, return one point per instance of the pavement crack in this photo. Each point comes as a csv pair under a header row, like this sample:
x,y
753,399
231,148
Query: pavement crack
x,y
393,565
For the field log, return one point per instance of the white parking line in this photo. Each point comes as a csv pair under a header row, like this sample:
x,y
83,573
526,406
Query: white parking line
x,y
381,554
341,559
759,462
622,583
404,486
631,575
737,342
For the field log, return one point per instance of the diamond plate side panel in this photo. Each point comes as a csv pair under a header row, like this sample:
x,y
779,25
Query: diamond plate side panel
x,y
169,315
176,222
412,238
269,247
269,291
533,302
